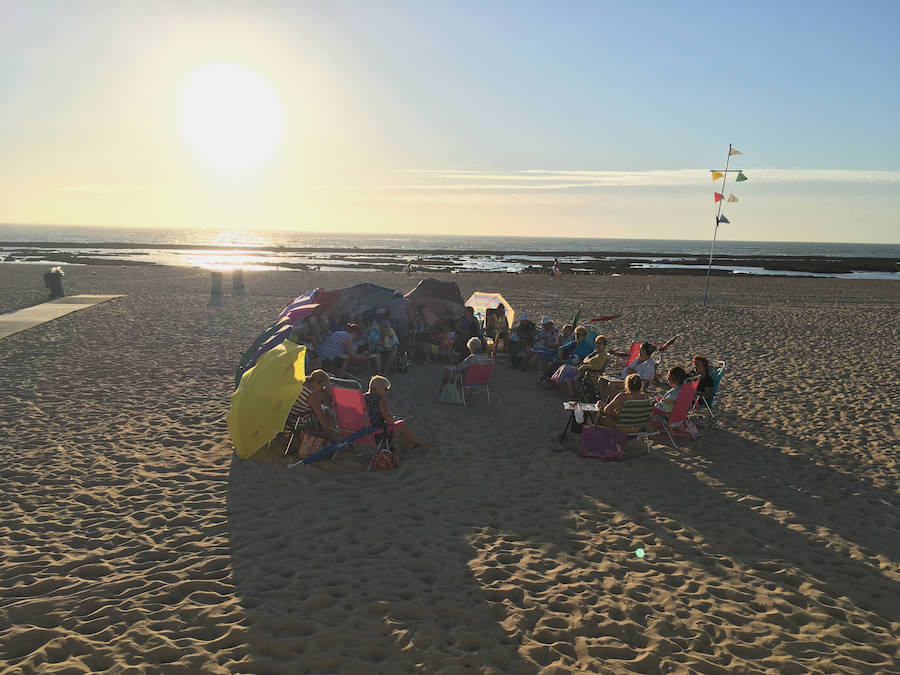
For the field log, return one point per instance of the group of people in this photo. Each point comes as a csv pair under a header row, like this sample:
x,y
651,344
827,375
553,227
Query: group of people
x,y
311,411
633,388
562,356
340,344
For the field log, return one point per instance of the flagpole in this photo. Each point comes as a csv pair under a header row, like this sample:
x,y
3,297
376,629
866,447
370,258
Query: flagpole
x,y
716,231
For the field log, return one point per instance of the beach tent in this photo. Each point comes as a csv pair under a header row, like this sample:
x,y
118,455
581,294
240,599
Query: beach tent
x,y
480,301
432,288
438,308
324,299
364,298
359,299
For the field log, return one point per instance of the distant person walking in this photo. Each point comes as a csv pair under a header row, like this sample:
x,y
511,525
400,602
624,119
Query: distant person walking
x,y
555,271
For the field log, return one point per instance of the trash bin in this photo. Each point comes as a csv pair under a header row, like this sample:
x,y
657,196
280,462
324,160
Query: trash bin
x,y
53,281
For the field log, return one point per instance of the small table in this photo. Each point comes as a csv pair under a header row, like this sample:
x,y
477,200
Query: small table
x,y
591,409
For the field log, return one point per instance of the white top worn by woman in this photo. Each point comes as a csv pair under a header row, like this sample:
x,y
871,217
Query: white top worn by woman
x,y
646,370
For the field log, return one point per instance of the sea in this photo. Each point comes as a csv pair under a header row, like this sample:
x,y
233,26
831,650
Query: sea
x,y
257,249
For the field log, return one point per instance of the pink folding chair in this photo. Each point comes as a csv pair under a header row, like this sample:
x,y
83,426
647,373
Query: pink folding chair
x,y
477,376
353,420
677,420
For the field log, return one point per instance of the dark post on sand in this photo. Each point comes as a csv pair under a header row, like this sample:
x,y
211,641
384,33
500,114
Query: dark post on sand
x,y
216,278
237,281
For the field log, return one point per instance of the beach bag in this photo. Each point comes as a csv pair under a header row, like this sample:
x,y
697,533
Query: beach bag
x,y
450,392
308,444
602,443
564,374
385,460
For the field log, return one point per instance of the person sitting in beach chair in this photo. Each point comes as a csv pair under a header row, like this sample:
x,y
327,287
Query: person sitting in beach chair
x,y
467,327
675,378
633,391
643,366
546,341
496,326
307,415
520,340
630,411
383,344
710,374
475,356
380,416
563,372
700,368
590,370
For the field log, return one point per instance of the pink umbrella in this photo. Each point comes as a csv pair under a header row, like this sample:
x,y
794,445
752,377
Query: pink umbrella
x,y
301,312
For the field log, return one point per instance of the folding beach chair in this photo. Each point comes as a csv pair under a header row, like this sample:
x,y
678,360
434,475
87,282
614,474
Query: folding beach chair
x,y
477,376
677,420
633,353
703,404
353,420
634,419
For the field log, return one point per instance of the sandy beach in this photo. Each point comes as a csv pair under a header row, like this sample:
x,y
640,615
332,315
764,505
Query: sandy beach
x,y
133,540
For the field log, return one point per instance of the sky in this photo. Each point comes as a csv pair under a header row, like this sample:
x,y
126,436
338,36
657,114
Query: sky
x,y
498,118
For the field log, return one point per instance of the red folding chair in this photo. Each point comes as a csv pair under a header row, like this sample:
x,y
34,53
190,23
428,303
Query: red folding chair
x,y
677,420
352,418
633,353
477,376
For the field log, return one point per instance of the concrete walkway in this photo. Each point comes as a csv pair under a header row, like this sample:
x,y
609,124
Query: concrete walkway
x,y
23,319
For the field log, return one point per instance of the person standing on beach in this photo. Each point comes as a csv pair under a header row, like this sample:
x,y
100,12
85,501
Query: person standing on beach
x,y
401,317
467,327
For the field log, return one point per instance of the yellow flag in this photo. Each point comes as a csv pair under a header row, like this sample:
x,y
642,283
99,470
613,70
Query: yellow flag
x,y
732,151
717,175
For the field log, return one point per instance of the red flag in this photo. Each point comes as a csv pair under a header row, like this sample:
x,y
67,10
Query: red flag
x,y
718,196
607,317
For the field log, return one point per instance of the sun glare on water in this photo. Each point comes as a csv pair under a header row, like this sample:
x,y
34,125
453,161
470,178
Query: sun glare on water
x,y
230,117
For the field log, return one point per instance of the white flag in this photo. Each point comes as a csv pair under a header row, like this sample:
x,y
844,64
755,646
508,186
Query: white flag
x,y
732,151
732,198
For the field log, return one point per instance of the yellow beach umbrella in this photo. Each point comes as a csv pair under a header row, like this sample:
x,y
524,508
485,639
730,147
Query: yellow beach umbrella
x,y
264,397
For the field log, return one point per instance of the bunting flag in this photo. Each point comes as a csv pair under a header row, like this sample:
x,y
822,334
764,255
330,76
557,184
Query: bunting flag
x,y
718,196
732,198
717,174
732,152
740,177
723,219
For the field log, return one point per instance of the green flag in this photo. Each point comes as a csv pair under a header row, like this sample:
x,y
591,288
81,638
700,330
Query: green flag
x,y
740,177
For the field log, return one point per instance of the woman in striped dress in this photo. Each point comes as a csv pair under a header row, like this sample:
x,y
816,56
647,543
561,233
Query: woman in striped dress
x,y
307,409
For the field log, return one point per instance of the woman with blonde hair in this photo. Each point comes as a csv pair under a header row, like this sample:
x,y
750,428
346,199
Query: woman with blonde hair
x,y
380,416
633,392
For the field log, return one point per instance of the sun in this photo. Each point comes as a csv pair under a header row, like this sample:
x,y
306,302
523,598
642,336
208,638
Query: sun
x,y
230,117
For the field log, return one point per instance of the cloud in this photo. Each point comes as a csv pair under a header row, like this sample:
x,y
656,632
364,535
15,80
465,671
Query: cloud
x,y
111,190
544,179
